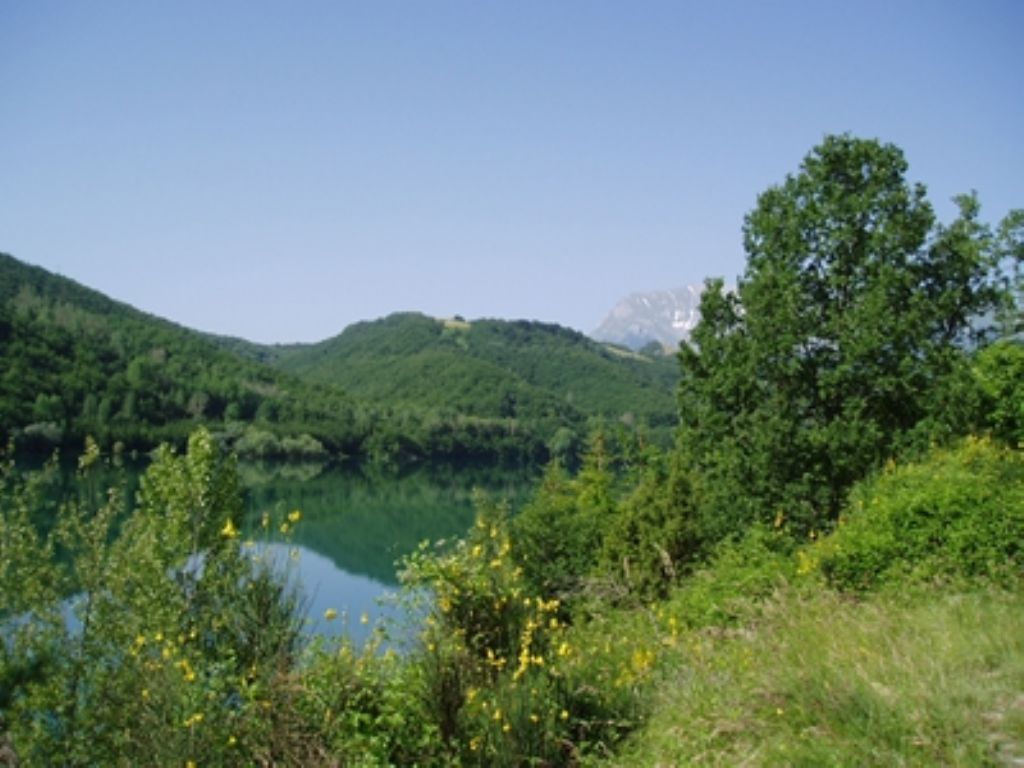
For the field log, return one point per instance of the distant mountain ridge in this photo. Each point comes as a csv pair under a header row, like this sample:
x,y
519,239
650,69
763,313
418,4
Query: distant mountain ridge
x,y
664,317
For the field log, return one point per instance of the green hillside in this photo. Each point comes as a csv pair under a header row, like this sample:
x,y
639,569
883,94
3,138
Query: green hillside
x,y
406,388
489,368
76,362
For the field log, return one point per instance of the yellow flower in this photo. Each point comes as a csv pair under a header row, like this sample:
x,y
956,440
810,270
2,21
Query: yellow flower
x,y
474,744
265,520
364,618
229,531
190,764
506,728
145,694
294,516
330,614
232,741
564,714
284,528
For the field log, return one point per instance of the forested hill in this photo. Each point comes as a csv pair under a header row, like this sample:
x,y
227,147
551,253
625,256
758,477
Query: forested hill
x,y
77,363
486,368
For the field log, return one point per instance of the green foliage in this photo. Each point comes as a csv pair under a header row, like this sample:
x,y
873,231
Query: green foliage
x,y
179,639
560,533
651,540
998,375
853,309
492,652
739,576
958,513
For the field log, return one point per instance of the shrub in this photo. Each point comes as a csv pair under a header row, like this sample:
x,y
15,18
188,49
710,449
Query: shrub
x,y
957,513
181,648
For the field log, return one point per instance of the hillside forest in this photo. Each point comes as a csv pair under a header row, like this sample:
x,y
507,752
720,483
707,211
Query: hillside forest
x,y
401,389
823,567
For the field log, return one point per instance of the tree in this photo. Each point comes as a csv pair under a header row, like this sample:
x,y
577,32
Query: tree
x,y
853,308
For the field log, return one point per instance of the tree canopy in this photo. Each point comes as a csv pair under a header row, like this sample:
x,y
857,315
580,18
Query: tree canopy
x,y
855,307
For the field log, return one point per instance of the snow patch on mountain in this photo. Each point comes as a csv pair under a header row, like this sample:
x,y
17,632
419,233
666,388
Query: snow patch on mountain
x,y
666,317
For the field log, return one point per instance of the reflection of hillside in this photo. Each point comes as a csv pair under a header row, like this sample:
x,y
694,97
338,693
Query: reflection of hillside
x,y
365,521
257,473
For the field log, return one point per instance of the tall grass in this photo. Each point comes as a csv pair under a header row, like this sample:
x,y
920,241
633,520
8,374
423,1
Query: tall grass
x,y
825,681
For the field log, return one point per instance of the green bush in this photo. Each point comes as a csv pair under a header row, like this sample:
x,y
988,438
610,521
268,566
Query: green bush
x,y
999,376
182,644
957,513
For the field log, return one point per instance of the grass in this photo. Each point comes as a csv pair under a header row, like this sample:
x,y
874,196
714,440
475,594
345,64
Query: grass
x,y
822,680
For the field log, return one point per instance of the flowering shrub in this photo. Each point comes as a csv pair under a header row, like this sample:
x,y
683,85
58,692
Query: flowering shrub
x,y
492,653
179,645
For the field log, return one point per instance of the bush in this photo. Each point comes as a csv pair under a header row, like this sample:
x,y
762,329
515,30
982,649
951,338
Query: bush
x,y
181,648
957,513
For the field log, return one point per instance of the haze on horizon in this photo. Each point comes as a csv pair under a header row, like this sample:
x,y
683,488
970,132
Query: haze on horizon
x,y
279,172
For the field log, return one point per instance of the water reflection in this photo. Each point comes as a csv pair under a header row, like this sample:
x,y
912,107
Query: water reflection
x,y
356,524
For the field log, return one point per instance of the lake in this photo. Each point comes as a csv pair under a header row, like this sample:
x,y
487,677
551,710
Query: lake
x,y
357,523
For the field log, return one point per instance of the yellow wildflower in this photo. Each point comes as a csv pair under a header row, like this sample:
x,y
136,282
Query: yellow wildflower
x,y
294,516
330,614
229,531
284,528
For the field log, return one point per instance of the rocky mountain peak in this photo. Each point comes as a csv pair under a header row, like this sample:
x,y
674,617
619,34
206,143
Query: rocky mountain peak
x,y
665,317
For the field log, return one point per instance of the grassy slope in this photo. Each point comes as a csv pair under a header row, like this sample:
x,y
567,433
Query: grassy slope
x,y
820,680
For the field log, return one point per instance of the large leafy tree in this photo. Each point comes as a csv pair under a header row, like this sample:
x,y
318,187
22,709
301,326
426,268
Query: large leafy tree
x,y
854,309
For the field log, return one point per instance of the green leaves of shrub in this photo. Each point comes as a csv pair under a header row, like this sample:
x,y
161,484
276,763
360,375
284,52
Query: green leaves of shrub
x,y
958,513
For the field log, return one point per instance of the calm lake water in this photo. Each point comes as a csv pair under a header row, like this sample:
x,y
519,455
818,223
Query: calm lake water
x,y
356,524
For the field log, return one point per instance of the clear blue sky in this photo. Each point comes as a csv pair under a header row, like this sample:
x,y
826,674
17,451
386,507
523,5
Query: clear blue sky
x,y
280,170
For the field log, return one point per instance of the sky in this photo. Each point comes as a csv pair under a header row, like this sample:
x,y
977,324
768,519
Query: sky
x,y
278,170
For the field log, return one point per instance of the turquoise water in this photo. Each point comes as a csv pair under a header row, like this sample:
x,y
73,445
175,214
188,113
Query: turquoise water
x,y
357,525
